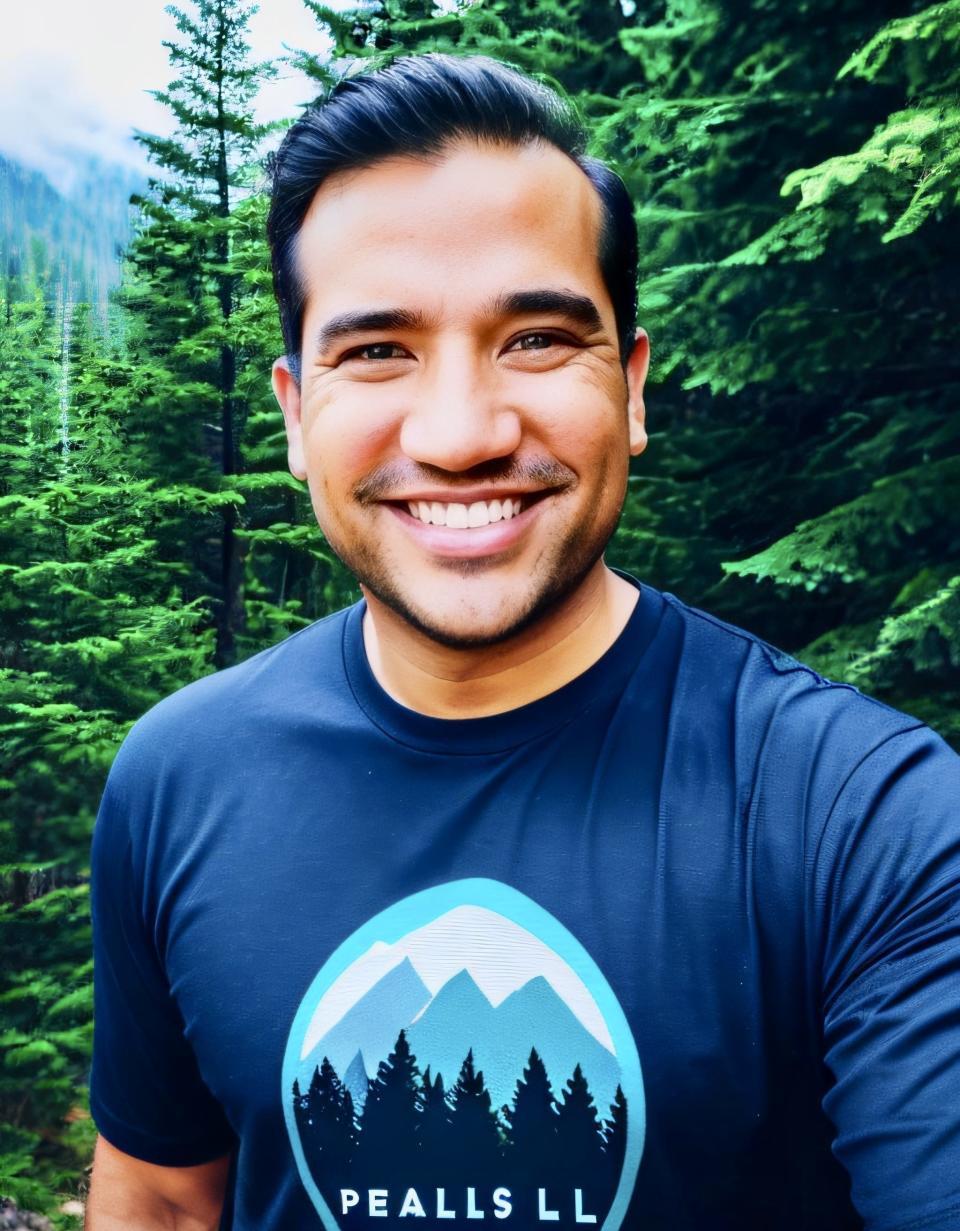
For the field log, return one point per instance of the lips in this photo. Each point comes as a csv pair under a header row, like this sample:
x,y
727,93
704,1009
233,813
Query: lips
x,y
460,539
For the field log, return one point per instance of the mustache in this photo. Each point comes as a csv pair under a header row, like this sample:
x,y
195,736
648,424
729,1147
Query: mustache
x,y
399,476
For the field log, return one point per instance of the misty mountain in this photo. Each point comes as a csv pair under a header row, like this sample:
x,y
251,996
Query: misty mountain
x,y
374,1022
67,244
459,1017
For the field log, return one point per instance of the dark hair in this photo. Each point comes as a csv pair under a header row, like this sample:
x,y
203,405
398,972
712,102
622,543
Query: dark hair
x,y
416,106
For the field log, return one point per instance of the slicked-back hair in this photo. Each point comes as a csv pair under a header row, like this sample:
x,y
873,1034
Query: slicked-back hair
x,y
417,106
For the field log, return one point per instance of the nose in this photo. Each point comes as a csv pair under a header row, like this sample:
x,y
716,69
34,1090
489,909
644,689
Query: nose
x,y
457,417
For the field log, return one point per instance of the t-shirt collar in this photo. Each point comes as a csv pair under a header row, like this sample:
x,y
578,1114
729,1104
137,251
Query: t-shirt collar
x,y
501,732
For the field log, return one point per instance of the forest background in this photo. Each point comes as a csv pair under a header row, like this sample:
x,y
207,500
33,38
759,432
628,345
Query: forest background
x,y
796,172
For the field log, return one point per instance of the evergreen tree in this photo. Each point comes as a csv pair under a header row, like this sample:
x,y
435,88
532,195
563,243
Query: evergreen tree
x,y
615,1138
92,634
325,1121
532,1120
575,43
182,290
579,1157
433,1128
797,181
474,1126
387,1132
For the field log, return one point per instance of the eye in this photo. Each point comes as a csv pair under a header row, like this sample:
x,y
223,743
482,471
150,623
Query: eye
x,y
377,351
534,341
542,341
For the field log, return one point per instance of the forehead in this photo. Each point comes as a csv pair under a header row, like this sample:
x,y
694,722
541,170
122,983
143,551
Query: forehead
x,y
451,232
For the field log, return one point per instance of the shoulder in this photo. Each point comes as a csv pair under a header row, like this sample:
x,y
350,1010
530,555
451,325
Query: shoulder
x,y
220,716
796,745
779,702
853,795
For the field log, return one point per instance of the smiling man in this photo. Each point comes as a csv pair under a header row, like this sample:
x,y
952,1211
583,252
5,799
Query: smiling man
x,y
461,412
518,892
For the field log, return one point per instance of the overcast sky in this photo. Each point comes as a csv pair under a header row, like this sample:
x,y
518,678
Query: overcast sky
x,y
74,76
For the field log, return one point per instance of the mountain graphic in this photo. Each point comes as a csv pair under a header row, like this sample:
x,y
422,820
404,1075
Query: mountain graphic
x,y
371,1026
535,1016
356,1081
459,1012
460,1017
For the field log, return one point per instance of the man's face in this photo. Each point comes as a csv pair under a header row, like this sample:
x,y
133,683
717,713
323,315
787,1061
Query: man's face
x,y
462,417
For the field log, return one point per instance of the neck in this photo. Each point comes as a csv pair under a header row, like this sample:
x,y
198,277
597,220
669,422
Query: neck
x,y
475,683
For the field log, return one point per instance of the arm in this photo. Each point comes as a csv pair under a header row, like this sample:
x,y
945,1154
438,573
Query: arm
x,y
127,1194
162,1160
889,894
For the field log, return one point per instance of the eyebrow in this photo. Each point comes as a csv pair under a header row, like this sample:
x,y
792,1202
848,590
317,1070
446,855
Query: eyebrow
x,y
577,308
574,307
347,323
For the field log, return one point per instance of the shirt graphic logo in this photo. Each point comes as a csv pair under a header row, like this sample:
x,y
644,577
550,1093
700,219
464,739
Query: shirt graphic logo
x,y
462,1057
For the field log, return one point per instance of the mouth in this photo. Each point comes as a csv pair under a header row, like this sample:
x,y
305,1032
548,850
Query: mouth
x,y
472,515
469,529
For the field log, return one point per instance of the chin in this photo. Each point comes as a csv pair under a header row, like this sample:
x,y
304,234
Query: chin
x,y
484,624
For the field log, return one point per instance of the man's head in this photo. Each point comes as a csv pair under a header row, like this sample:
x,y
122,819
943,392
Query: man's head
x,y
457,290
416,108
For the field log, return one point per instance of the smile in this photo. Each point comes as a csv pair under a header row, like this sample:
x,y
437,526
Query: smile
x,y
462,530
464,516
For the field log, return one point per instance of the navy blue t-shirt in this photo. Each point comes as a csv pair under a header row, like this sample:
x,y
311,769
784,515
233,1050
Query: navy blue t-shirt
x,y
674,947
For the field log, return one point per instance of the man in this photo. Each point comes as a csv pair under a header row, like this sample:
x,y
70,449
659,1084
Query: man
x,y
518,892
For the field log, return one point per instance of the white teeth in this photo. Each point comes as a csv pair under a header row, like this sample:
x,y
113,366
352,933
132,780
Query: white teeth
x,y
477,514
461,516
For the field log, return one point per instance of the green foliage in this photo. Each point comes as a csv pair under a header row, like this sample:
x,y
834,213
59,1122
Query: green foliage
x,y
94,631
795,170
796,173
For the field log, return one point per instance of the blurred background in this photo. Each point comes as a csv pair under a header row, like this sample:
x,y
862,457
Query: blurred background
x,y
796,173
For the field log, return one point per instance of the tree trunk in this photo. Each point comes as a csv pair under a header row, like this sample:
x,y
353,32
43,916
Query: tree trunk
x,y
230,612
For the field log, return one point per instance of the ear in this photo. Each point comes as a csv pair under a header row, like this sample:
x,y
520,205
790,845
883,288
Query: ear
x,y
286,389
636,372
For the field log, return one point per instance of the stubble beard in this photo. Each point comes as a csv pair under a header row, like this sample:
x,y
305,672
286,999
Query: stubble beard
x,y
574,561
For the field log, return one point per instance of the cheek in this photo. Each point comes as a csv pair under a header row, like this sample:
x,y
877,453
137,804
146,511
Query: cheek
x,y
580,415
344,439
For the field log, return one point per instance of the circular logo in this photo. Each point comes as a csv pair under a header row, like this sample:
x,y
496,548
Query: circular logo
x,y
462,1057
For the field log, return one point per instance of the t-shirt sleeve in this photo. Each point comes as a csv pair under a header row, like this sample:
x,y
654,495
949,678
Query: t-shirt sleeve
x,y
147,1096
888,889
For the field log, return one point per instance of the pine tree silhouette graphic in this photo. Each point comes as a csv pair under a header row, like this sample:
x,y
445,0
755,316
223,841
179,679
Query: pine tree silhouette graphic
x,y
413,1134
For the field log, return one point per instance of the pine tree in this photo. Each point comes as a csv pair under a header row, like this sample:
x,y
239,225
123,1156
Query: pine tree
x,y
532,1120
475,1131
615,1138
797,182
90,638
182,290
325,1121
575,43
579,1148
433,1128
387,1132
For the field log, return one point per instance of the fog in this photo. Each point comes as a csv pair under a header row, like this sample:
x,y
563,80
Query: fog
x,y
74,78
